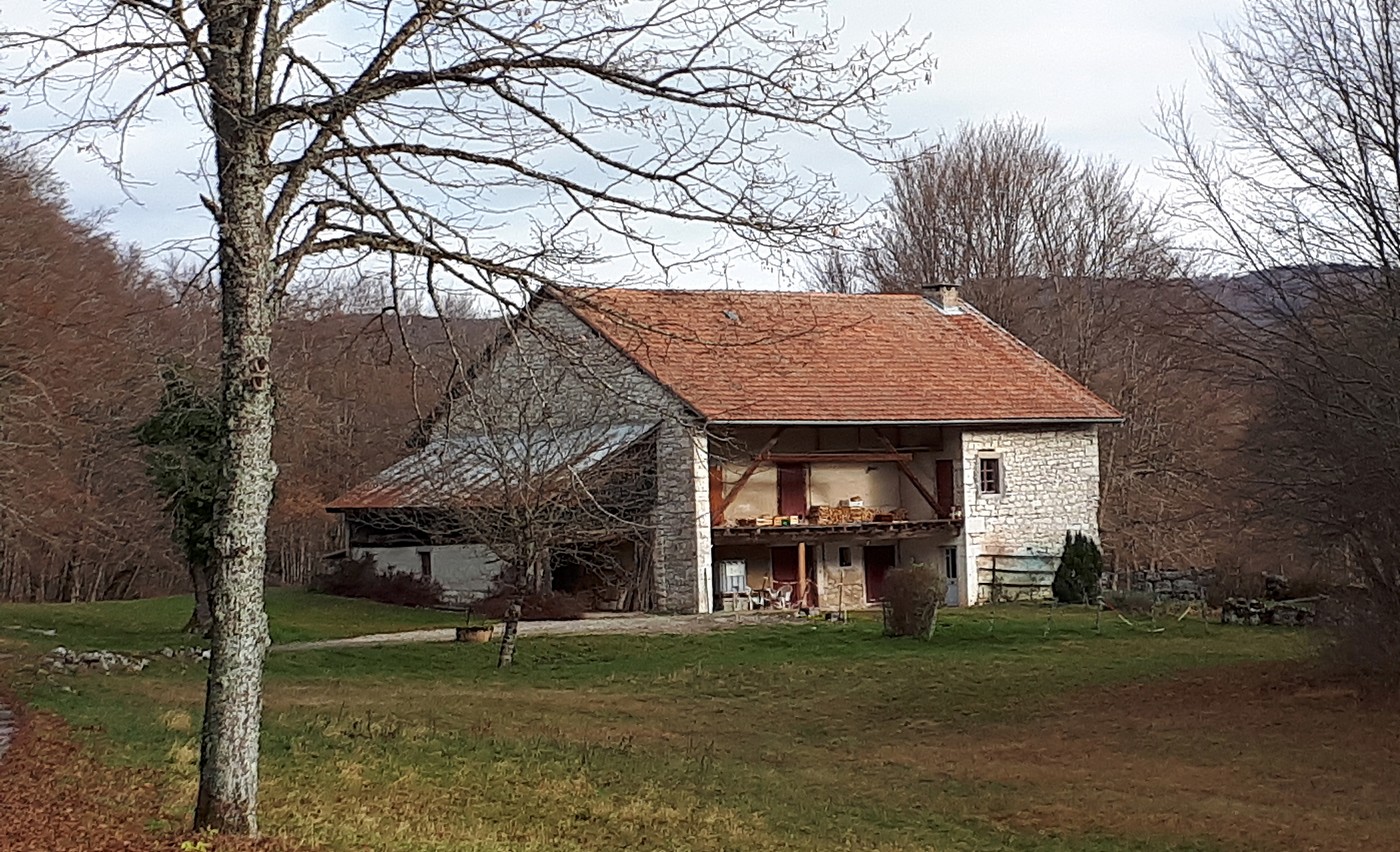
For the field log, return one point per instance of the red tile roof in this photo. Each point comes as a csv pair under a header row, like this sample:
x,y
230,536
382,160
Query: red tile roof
x,y
752,356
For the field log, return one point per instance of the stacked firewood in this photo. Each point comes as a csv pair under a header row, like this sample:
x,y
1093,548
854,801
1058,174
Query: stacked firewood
x,y
852,515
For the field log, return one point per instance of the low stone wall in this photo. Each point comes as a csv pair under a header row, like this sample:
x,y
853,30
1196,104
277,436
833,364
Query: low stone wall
x,y
1164,584
1253,612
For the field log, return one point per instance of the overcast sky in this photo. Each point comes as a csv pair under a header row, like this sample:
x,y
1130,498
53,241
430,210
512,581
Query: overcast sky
x,y
1090,71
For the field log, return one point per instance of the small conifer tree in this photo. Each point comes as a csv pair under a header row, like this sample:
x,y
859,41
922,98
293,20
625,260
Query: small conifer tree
x,y
1081,566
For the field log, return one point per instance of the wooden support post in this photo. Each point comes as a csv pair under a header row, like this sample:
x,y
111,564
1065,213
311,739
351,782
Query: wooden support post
x,y
913,478
801,575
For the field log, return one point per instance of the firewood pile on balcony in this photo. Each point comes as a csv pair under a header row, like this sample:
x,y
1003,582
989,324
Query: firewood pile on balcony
x,y
847,513
850,514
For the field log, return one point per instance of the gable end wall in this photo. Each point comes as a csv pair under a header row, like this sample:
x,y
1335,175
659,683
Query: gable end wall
x,y
1050,486
609,386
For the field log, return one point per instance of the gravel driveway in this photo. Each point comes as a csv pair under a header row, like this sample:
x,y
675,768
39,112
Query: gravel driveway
x,y
638,624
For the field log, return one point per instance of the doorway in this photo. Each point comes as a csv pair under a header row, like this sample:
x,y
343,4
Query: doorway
x,y
792,489
943,486
879,559
784,562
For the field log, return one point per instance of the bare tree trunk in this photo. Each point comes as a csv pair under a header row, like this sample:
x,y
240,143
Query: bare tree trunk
x,y
202,616
228,768
228,774
508,635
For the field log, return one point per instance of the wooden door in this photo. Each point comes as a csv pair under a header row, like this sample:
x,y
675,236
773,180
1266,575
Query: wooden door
x,y
785,574
878,560
792,489
943,486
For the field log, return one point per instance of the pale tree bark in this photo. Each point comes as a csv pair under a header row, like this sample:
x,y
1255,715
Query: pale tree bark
x,y
228,766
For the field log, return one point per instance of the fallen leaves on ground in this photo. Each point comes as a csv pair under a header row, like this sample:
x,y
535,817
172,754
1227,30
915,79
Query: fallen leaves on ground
x,y
55,797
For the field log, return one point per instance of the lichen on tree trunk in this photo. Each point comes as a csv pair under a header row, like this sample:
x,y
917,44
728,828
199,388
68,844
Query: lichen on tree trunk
x,y
228,767
228,782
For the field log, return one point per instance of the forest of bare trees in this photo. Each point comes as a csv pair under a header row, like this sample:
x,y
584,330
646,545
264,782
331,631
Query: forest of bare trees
x,y
85,328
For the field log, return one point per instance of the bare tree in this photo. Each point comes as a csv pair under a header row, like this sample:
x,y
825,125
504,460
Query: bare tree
x,y
998,201
568,489
509,143
1073,259
1301,192
77,316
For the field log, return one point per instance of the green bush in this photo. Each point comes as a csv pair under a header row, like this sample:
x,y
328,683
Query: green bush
x,y
912,597
1081,566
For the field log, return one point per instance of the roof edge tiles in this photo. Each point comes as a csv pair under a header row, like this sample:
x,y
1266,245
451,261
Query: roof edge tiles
x,y
770,357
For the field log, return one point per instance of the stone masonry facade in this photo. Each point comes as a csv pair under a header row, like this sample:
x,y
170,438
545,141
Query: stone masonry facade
x,y
1049,486
592,379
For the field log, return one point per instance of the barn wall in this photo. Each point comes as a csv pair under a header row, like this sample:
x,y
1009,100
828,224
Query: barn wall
x,y
590,381
466,572
878,485
1050,485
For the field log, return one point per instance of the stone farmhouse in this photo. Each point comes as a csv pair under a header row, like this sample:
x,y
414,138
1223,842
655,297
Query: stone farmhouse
x,y
794,448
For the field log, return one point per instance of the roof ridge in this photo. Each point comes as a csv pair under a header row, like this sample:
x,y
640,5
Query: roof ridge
x,y
736,291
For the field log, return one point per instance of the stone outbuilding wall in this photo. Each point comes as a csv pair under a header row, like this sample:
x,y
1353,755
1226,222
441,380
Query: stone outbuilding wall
x,y
590,378
1049,486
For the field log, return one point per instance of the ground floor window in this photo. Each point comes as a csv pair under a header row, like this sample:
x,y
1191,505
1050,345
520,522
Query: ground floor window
x,y
950,562
425,564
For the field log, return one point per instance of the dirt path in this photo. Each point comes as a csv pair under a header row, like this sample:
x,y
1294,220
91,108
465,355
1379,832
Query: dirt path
x,y
626,624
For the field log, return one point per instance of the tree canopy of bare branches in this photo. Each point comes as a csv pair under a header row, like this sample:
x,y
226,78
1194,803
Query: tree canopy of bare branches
x,y
1301,191
504,144
1072,258
997,201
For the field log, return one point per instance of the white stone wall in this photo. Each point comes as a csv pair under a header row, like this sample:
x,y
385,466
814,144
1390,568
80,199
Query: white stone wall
x,y
1050,485
466,572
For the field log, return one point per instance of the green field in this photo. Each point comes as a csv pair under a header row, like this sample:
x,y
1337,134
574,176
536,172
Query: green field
x,y
1009,731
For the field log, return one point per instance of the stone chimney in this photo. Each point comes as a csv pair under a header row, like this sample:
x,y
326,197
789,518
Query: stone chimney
x,y
944,295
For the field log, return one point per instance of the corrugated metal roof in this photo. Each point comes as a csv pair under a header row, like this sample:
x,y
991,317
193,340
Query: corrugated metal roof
x,y
469,466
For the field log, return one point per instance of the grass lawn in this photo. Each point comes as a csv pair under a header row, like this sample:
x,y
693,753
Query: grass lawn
x,y
1007,732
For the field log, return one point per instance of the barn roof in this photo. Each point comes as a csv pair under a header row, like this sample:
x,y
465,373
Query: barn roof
x,y
779,357
470,467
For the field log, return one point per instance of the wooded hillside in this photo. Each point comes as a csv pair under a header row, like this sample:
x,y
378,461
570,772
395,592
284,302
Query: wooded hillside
x,y
85,327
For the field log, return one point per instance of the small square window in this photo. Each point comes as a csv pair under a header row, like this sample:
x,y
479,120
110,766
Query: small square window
x,y
989,475
843,557
950,563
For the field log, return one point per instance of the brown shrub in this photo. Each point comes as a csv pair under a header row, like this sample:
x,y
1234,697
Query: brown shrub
x,y
551,606
361,578
1364,631
1233,582
912,596
1132,603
